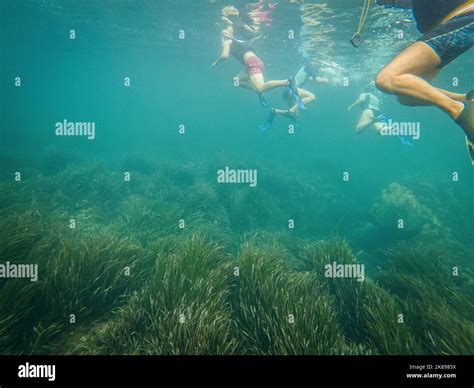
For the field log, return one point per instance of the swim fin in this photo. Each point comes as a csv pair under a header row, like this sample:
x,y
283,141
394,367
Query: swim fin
x,y
383,118
470,96
268,124
405,140
296,95
466,120
470,150
263,101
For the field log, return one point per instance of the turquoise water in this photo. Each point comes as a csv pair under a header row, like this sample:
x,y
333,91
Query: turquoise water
x,y
174,176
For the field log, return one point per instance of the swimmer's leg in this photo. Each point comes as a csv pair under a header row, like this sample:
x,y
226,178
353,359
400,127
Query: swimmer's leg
x,y
306,97
262,86
286,112
431,75
243,81
403,76
378,126
366,119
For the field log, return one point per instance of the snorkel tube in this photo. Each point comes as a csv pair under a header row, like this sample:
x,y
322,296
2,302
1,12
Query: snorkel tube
x,y
356,39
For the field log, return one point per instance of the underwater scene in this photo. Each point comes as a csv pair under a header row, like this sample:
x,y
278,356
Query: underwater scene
x,y
235,178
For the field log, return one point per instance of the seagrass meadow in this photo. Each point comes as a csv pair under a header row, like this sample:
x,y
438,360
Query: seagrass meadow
x,y
143,242
226,283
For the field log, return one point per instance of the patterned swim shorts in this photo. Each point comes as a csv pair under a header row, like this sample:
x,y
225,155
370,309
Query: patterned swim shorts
x,y
451,39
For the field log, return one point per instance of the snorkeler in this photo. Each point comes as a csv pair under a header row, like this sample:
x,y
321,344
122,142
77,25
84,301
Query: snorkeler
x,y
448,28
308,71
253,77
371,116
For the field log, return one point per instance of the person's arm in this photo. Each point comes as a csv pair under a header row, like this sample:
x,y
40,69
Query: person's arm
x,y
225,52
320,80
357,102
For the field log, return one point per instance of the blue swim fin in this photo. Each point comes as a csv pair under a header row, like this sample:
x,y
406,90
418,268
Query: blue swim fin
x,y
268,124
296,96
405,140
